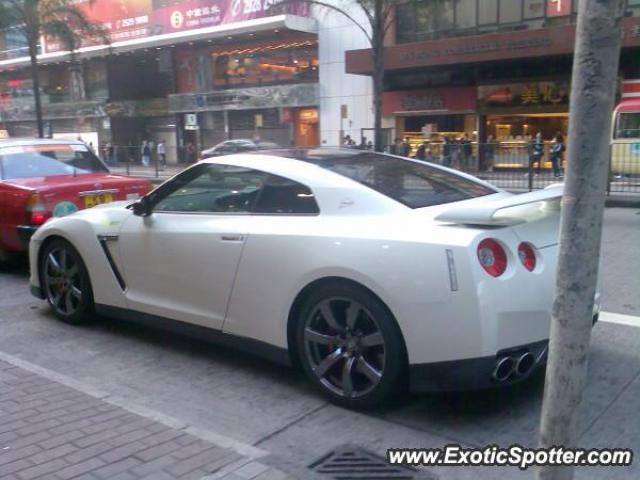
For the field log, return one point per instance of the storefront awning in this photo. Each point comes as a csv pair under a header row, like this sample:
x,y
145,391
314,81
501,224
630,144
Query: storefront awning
x,y
278,22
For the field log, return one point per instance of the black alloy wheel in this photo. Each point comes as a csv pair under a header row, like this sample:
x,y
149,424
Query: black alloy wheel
x,y
350,346
65,282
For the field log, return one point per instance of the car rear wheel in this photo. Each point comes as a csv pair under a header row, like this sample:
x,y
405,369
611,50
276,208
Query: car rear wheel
x,y
65,282
350,346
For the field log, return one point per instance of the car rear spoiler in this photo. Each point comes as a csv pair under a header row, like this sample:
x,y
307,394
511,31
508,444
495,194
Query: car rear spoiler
x,y
493,213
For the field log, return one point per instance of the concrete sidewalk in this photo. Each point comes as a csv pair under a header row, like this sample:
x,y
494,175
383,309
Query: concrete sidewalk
x,y
52,427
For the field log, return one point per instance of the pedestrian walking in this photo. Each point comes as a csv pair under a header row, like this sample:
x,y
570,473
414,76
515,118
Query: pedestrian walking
x,y
489,154
421,153
162,154
191,152
396,147
466,151
146,153
114,153
536,152
446,152
110,150
429,153
557,149
456,154
406,148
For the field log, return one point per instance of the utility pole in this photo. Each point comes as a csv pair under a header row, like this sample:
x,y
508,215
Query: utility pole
x,y
595,70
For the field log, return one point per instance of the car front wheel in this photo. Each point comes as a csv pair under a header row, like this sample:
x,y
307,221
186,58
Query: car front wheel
x,y
66,283
350,346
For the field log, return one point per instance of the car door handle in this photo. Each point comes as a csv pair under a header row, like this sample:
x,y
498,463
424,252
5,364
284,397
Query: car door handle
x,y
232,238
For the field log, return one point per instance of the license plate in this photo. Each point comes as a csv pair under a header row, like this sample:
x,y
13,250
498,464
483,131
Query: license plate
x,y
93,200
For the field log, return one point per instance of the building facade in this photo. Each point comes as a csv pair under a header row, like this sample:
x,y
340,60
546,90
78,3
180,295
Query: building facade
x,y
190,74
492,70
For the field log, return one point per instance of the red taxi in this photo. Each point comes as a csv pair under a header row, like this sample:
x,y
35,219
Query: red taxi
x,y
40,179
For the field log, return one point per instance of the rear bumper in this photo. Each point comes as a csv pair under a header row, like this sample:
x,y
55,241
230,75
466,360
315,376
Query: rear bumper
x,y
25,232
476,373
472,373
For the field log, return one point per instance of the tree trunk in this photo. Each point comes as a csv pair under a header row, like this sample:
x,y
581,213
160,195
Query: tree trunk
x,y
595,69
36,86
377,51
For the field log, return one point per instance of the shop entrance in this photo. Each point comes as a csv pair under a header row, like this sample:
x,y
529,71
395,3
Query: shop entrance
x,y
522,127
436,129
306,127
513,133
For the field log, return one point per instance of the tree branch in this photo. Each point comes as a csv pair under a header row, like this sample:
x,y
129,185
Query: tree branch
x,y
335,9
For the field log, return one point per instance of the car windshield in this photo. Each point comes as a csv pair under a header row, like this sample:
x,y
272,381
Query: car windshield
x,y
32,161
412,183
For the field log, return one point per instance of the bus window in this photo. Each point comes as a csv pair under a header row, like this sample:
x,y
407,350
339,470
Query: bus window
x,y
628,125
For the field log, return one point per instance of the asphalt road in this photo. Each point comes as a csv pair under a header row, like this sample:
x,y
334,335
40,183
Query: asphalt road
x,y
274,408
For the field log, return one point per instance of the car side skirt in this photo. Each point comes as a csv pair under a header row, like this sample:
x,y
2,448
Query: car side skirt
x,y
37,292
210,335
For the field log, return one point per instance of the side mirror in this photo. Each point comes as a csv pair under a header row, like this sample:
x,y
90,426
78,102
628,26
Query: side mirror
x,y
141,208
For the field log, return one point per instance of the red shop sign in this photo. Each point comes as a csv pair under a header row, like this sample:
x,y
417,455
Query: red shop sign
x,y
435,100
210,13
558,8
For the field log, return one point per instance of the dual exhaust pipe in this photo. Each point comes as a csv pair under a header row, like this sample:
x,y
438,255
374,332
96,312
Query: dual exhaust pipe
x,y
519,365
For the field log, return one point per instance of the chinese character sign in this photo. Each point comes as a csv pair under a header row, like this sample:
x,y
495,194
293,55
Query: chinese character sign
x,y
209,13
525,94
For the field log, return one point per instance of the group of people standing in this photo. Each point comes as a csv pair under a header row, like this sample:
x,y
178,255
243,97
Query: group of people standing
x,y
556,153
115,154
363,145
458,152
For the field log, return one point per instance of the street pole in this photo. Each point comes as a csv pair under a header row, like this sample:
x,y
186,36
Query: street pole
x,y
595,70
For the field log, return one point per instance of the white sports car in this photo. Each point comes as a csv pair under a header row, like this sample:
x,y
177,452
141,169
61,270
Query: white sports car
x,y
372,272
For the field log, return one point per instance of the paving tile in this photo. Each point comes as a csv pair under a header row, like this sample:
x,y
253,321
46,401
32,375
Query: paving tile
x,y
53,432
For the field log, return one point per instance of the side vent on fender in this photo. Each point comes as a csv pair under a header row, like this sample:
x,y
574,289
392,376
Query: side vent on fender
x,y
104,239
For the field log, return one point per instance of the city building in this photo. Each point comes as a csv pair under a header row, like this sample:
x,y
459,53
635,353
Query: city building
x,y
493,70
190,74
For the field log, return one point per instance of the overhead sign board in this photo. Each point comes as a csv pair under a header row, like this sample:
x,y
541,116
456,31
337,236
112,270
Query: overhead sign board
x,y
132,19
296,95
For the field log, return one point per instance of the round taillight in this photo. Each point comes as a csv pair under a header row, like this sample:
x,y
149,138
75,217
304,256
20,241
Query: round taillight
x,y
527,256
492,257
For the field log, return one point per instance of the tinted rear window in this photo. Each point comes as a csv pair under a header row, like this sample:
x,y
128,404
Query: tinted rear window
x,y
414,184
283,196
33,161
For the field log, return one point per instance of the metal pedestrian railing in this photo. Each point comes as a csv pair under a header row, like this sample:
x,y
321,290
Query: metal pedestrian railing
x,y
513,166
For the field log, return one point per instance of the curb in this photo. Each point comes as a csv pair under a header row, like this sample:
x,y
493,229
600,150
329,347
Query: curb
x,y
623,202
249,451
